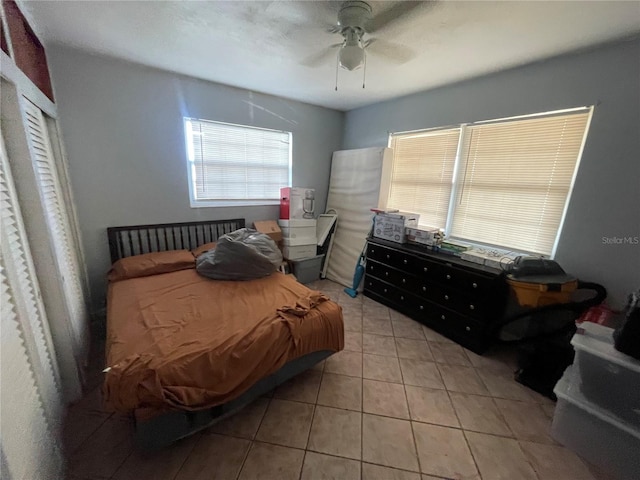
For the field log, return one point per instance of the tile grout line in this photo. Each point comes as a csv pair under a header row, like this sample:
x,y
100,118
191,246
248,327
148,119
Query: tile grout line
x,y
200,437
253,438
313,416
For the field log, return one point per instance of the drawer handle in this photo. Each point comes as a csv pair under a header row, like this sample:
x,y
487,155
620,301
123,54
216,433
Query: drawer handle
x,y
388,257
446,297
474,285
448,277
424,289
471,307
405,261
373,250
404,280
386,274
370,284
421,307
425,269
385,290
401,297
467,328
371,267
443,317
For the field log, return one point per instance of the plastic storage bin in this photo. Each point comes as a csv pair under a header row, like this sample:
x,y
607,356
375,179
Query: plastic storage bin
x,y
307,270
530,294
298,248
606,377
301,228
593,433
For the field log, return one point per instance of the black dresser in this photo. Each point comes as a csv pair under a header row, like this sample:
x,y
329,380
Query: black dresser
x,y
459,299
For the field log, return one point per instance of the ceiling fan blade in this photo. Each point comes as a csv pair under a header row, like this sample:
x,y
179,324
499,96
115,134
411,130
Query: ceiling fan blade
x,y
392,15
394,52
318,58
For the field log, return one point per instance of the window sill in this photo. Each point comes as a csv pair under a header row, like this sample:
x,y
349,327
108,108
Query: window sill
x,y
232,203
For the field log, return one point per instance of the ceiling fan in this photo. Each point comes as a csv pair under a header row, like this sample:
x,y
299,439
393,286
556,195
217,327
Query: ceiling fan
x,y
355,22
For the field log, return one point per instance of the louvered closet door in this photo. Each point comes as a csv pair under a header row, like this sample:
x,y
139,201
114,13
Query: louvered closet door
x,y
57,219
31,399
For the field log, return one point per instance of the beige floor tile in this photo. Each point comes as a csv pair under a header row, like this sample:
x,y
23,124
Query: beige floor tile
x,y
352,321
450,353
104,451
479,414
353,341
499,458
215,457
376,325
286,423
244,423
443,451
434,336
319,367
347,301
377,367
549,410
534,426
420,373
377,472
345,363
555,462
503,385
79,425
462,379
156,465
323,467
405,327
336,432
389,442
501,359
377,311
412,348
431,406
341,391
266,462
379,345
301,388
382,398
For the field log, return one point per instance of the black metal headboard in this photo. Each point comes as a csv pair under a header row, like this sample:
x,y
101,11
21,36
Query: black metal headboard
x,y
139,239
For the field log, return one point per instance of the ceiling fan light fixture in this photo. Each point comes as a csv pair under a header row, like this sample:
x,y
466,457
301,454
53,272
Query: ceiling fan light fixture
x,y
351,57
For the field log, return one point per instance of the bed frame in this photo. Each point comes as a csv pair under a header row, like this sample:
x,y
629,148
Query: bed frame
x,y
139,239
165,429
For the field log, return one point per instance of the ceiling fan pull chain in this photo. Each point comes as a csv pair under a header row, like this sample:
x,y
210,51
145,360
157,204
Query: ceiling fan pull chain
x,y
364,70
337,67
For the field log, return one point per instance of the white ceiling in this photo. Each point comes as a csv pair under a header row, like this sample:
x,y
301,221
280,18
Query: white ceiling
x,y
259,45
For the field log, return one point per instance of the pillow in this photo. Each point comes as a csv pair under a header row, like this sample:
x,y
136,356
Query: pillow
x,y
151,264
203,248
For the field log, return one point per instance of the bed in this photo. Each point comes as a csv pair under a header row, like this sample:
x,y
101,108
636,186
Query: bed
x,y
184,351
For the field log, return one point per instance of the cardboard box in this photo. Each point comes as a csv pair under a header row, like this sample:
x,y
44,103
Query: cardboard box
x,y
269,227
430,236
297,203
391,226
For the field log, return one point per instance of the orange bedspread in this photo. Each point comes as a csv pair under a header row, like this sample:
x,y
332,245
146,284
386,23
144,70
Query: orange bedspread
x,y
179,340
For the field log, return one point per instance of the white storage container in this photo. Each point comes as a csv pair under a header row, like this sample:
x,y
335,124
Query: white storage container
x,y
605,376
307,270
299,228
591,432
297,248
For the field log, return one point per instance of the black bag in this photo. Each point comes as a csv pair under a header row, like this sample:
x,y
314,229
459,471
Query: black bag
x,y
627,336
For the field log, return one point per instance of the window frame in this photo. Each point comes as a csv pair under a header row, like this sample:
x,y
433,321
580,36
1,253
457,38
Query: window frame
x,y
192,177
460,161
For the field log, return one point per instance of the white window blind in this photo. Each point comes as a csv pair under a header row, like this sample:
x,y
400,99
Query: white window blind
x,y
235,164
515,181
422,175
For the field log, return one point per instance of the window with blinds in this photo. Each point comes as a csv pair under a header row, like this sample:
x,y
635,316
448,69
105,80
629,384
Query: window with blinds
x,y
509,183
422,174
235,164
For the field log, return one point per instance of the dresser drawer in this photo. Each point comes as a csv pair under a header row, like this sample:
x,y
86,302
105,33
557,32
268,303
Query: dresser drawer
x,y
409,263
464,280
396,277
455,300
454,322
394,294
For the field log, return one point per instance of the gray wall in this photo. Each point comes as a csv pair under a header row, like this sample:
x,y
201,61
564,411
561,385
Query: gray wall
x,y
123,132
606,198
